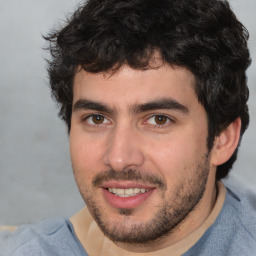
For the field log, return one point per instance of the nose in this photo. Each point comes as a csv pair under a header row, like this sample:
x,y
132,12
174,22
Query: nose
x,y
124,149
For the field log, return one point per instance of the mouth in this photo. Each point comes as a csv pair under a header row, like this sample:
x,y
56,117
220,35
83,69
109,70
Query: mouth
x,y
123,195
128,192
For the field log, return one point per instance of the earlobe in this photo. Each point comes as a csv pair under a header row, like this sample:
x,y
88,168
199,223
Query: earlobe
x,y
226,143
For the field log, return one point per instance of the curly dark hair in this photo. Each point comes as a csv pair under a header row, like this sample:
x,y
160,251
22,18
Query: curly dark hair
x,y
203,36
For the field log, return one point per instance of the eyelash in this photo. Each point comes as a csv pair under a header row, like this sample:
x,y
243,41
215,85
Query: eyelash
x,y
86,118
167,120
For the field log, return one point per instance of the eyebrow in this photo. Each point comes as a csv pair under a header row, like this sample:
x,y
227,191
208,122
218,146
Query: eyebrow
x,y
163,103
92,105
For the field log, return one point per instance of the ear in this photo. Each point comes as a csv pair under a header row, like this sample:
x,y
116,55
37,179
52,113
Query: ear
x,y
226,143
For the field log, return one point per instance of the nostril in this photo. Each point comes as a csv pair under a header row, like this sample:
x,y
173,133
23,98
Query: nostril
x,y
123,149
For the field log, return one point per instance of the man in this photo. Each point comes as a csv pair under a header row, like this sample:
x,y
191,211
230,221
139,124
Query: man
x,y
154,96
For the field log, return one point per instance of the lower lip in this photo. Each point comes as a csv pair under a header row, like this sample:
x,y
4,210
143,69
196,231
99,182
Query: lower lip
x,y
126,202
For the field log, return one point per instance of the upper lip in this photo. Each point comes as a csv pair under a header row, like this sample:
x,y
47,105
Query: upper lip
x,y
125,185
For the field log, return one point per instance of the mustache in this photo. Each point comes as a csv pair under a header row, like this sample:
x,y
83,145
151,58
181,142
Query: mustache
x,y
131,175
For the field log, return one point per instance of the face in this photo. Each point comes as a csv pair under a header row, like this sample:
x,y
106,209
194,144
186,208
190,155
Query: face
x,y
138,150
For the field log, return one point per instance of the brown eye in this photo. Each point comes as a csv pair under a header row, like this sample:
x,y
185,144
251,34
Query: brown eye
x,y
160,120
97,119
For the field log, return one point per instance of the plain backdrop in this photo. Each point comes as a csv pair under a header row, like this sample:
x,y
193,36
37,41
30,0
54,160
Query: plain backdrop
x,y
36,178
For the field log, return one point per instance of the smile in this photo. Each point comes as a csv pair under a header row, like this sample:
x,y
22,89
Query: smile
x,y
128,192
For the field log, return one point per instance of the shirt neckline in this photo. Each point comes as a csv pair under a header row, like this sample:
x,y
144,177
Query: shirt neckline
x,y
97,244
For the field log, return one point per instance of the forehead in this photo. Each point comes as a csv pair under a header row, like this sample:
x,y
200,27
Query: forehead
x,y
130,86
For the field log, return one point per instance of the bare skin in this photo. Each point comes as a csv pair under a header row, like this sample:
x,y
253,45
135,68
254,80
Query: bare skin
x,y
146,130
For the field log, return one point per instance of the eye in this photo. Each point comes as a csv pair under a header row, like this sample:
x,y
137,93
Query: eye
x,y
96,119
158,120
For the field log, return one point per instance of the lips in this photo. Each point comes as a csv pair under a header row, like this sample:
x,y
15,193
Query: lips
x,y
126,195
127,192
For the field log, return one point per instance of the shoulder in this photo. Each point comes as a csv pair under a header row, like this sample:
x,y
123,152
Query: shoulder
x,y
236,224
240,211
234,231
49,237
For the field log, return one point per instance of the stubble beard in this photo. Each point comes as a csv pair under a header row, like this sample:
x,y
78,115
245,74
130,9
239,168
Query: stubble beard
x,y
168,216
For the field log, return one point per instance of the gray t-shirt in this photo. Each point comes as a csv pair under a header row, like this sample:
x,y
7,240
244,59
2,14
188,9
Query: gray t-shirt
x,y
50,237
232,234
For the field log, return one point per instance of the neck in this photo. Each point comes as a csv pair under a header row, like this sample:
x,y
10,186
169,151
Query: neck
x,y
191,223
198,221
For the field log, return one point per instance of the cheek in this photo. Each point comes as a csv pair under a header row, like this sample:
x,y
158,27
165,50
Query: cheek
x,y
85,155
175,156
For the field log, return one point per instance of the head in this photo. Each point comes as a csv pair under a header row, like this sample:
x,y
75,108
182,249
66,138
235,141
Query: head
x,y
203,36
113,38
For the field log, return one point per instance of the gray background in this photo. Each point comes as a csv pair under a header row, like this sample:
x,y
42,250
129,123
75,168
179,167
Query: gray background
x,y
35,173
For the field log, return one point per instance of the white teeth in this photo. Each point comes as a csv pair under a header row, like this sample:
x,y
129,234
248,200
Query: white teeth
x,y
120,191
136,190
127,192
